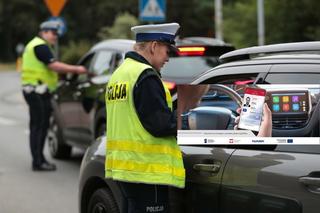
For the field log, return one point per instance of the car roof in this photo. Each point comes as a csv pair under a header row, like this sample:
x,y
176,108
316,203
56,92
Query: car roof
x,y
286,54
278,49
265,63
122,45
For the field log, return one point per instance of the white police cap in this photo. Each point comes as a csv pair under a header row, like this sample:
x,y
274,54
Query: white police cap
x,y
156,32
50,25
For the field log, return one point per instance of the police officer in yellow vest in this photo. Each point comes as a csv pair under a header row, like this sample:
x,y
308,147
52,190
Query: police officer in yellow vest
x,y
142,153
39,79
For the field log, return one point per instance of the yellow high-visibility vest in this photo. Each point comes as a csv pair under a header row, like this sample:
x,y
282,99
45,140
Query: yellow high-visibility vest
x,y
132,153
35,71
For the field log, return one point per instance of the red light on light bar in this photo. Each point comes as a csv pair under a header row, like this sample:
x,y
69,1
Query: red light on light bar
x,y
169,85
191,51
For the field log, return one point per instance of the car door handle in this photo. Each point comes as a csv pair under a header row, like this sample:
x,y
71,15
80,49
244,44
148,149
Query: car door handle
x,y
213,168
77,94
84,85
101,91
310,181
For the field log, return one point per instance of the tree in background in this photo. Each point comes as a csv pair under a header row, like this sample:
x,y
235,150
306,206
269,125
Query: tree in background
x,y
195,17
20,19
19,22
73,51
85,18
285,21
292,20
240,23
121,27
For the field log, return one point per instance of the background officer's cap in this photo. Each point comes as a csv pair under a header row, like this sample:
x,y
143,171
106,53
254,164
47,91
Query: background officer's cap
x,y
156,32
50,25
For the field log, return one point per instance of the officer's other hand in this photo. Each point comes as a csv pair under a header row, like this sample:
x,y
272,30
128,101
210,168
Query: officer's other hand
x,y
266,123
81,70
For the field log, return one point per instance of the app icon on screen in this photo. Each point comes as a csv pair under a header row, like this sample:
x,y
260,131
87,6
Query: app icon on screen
x,y
295,98
286,107
276,107
295,107
275,99
285,99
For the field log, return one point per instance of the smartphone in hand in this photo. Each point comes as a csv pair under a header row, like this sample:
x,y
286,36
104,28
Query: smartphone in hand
x,y
252,108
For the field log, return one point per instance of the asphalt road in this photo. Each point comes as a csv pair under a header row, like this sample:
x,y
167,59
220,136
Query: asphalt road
x,y
22,190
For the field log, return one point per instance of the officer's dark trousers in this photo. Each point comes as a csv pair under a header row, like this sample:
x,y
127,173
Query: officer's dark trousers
x,y
39,112
143,198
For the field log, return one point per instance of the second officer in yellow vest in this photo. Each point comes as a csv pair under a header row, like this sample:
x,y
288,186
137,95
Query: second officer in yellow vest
x,y
39,80
142,152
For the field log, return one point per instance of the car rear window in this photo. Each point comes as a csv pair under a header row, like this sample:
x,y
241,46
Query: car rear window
x,y
188,67
191,61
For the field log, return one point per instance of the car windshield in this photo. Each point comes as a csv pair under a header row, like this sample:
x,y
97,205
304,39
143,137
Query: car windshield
x,y
188,67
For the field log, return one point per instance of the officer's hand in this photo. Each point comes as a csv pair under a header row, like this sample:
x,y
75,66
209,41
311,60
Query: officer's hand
x,y
81,70
266,123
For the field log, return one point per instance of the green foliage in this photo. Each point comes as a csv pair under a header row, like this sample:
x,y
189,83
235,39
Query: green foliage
x,y
293,20
73,51
120,29
18,24
91,20
85,18
195,17
240,23
285,21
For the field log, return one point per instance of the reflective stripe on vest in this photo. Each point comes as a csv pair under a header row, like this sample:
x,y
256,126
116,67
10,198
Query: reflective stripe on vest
x,y
33,70
133,154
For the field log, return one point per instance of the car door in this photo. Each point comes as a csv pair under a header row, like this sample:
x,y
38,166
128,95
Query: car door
x,y
204,168
86,93
69,105
272,179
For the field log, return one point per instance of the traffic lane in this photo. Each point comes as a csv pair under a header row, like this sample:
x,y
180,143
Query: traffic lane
x,y
31,192
22,190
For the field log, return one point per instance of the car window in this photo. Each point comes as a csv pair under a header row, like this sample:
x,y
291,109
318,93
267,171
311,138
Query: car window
x,y
86,61
297,73
238,79
101,63
188,67
117,59
293,78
